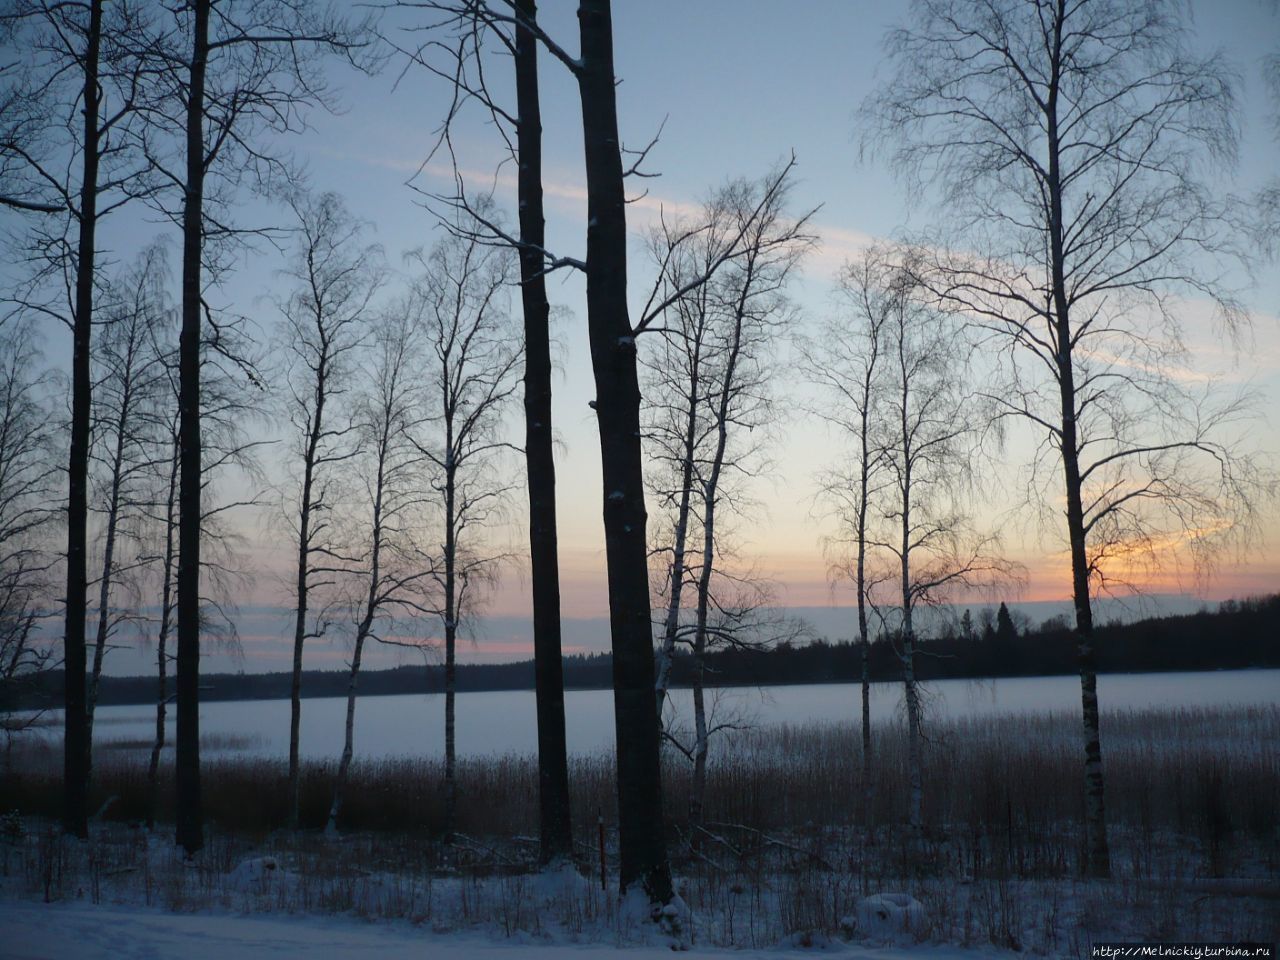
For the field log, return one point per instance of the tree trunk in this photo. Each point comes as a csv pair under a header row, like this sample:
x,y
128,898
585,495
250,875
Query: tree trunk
x,y
864,635
190,814
555,834
671,625
911,692
364,627
1098,852
76,748
450,626
162,696
642,843
162,639
698,793
108,558
868,791
698,789
302,587
348,744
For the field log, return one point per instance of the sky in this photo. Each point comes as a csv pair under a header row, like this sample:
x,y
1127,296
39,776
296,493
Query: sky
x,y
734,87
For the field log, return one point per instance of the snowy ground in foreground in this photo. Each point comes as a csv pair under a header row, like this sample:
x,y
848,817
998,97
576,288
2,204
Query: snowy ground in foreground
x,y
60,931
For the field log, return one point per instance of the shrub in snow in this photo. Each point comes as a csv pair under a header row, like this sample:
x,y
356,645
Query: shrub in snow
x,y
888,915
557,881
256,875
637,916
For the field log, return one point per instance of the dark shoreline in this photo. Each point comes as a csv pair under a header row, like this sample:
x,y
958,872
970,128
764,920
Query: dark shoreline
x,y
1242,635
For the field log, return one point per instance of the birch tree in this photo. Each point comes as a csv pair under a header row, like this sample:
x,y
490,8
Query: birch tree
x,y
335,278
386,569
1069,145
726,336
29,488
472,360
129,386
845,361
930,419
676,424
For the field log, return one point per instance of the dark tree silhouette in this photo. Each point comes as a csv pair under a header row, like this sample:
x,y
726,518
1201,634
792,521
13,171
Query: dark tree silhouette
x,y
231,72
460,63
79,76
556,836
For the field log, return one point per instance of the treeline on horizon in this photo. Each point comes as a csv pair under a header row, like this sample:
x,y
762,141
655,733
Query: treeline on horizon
x,y
1243,636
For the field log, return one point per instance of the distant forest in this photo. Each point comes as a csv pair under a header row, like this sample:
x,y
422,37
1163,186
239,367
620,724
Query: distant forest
x,y
1239,634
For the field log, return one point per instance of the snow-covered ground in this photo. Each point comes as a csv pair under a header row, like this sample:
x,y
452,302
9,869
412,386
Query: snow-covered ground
x,y
80,931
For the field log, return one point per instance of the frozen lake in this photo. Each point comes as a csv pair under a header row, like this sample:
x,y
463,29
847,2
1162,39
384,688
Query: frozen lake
x,y
504,721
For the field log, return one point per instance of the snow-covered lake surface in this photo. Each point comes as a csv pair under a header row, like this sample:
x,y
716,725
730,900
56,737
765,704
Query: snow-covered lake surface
x,y
505,722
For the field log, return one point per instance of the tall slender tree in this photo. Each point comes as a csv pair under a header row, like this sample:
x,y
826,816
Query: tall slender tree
x,y
643,850
472,361
232,73
336,278
1068,141
130,384
387,570
461,64
844,360
227,412
929,422
555,836
82,71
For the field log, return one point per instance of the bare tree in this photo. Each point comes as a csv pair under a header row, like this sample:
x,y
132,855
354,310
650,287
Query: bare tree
x,y
472,360
29,488
231,74
386,569
845,360
166,517
325,318
643,856
1068,142
675,415
226,413
460,61
130,383
928,423
726,335
84,77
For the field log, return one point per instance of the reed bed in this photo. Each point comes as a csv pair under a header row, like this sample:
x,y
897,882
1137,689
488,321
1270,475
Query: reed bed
x,y
786,850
